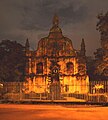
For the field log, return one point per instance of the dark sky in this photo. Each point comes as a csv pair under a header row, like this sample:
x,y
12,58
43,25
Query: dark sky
x,y
21,19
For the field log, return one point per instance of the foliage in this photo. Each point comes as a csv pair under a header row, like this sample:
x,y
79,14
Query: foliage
x,y
12,61
90,67
101,55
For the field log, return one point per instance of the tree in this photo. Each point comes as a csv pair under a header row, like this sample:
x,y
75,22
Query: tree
x,y
12,61
90,67
101,56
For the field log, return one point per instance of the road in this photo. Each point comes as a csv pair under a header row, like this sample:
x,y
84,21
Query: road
x,y
52,112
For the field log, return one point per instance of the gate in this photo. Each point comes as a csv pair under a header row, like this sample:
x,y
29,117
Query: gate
x,y
55,91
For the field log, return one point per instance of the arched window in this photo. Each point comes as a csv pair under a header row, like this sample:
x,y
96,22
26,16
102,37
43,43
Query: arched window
x,y
70,67
39,68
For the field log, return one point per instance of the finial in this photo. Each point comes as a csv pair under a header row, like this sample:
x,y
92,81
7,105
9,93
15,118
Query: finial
x,y
83,47
55,20
27,44
83,43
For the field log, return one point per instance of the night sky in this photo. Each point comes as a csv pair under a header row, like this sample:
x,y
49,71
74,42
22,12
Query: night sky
x,y
22,19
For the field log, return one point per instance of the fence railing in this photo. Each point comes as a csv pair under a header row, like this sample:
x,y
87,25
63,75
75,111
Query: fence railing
x,y
97,92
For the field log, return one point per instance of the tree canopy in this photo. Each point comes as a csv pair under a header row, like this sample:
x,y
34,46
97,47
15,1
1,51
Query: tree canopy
x,y
12,61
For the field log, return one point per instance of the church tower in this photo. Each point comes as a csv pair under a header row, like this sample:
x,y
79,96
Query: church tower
x,y
27,52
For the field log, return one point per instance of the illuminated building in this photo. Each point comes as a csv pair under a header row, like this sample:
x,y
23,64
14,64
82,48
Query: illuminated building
x,y
55,65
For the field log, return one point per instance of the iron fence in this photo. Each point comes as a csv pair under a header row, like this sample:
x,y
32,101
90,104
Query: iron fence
x,y
97,92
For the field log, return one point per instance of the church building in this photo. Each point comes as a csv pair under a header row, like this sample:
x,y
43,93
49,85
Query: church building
x,y
56,67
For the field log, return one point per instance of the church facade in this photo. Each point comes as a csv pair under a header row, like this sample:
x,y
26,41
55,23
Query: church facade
x,y
56,66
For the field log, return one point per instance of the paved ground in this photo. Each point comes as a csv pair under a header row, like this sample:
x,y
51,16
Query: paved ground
x,y
52,112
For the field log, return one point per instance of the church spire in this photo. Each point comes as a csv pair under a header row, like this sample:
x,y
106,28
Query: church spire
x,y
55,20
82,51
27,45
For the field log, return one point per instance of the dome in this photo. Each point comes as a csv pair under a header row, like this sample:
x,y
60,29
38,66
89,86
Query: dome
x,y
55,42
